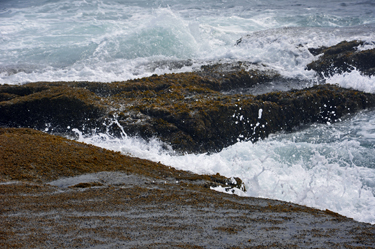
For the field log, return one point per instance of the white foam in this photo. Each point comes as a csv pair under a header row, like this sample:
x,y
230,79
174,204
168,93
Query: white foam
x,y
354,80
111,41
326,167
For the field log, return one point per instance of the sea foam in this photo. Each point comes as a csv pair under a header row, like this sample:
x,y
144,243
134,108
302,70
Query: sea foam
x,y
322,166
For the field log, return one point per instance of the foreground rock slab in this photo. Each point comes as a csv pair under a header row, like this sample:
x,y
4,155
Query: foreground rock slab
x,y
68,201
38,157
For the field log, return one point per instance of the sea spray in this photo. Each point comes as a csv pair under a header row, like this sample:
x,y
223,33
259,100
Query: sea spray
x,y
324,166
355,80
327,167
112,41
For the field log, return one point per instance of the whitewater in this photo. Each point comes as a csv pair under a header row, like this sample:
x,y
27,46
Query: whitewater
x,y
326,166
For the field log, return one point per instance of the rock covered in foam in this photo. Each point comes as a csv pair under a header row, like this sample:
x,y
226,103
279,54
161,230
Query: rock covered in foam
x,y
343,57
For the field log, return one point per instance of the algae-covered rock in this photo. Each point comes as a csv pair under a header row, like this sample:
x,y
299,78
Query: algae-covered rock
x,y
231,76
192,112
343,57
27,154
42,105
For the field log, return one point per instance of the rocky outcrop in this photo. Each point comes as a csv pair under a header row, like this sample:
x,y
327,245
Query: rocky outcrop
x,y
343,57
193,112
41,105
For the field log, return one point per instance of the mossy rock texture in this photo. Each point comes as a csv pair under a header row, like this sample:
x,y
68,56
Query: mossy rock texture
x,y
192,112
38,106
35,156
343,57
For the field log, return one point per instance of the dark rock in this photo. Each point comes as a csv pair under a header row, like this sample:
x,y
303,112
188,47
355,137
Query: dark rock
x,y
41,105
343,57
188,111
87,185
317,51
230,76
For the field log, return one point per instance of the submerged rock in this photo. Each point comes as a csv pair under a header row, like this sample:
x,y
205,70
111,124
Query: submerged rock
x,y
343,57
188,111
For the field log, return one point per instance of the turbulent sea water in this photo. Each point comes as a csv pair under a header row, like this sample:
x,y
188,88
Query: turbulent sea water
x,y
329,166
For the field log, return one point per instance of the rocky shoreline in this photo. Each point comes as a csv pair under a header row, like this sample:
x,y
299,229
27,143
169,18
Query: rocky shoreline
x,y
196,112
60,193
146,204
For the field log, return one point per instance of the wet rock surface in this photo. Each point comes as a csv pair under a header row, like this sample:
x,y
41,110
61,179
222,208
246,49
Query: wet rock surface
x,y
192,112
55,192
343,57
31,155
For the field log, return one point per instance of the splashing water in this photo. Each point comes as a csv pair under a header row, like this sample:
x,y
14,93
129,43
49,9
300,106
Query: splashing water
x,y
119,40
328,167
323,166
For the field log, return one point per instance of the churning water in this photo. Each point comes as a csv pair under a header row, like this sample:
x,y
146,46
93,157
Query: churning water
x,y
324,166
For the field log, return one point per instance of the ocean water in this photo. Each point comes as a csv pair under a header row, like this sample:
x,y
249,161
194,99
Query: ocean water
x,y
327,166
